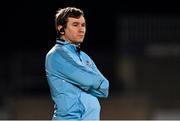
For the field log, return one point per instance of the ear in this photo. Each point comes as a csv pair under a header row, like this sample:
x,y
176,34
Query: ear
x,y
59,27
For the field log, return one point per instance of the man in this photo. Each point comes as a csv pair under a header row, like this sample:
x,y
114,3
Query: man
x,y
73,78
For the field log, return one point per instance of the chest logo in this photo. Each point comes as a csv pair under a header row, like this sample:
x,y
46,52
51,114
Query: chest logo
x,y
88,63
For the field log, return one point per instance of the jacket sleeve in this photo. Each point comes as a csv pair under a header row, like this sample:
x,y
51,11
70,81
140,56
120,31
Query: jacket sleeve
x,y
62,64
103,90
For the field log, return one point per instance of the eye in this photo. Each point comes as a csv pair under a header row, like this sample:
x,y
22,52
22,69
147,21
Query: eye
x,y
75,24
84,25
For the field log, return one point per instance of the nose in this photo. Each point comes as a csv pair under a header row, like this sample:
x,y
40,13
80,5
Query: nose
x,y
82,29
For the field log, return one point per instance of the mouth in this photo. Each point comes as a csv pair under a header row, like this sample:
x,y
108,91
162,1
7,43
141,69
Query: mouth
x,y
81,36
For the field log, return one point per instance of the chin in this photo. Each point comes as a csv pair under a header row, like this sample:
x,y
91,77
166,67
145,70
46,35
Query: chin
x,y
80,41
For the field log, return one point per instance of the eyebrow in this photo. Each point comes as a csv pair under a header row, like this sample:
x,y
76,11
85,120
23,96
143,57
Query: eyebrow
x,y
78,23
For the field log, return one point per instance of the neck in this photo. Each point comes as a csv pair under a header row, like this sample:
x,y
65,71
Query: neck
x,y
65,39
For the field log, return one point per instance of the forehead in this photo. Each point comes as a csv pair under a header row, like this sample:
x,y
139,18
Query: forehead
x,y
81,19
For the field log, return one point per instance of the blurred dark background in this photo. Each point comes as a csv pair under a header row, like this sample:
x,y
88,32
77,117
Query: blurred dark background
x,y
134,44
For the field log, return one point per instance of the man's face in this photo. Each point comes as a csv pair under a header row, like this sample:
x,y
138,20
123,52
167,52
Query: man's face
x,y
75,30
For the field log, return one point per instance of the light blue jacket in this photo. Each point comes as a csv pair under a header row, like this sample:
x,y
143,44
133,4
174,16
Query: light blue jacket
x,y
74,82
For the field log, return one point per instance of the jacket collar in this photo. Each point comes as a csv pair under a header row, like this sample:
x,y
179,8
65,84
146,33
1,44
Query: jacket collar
x,y
61,41
64,42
